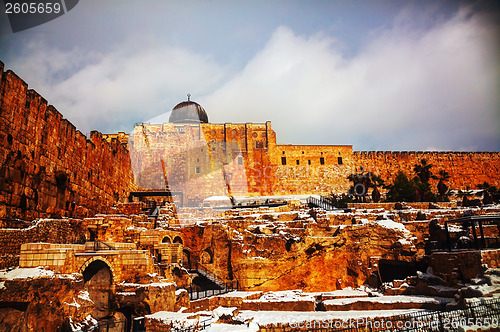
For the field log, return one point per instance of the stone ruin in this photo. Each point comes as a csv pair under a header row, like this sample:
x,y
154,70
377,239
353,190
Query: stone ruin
x,y
120,272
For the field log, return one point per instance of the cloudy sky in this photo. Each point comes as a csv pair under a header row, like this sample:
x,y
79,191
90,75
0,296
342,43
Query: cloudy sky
x,y
380,75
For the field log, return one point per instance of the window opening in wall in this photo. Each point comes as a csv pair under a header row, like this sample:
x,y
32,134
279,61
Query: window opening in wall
x,y
197,169
322,161
180,129
339,159
302,152
283,160
240,160
283,152
297,161
309,162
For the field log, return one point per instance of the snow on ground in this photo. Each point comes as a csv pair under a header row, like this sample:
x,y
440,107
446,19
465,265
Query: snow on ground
x,y
241,294
486,290
217,198
390,299
233,328
154,284
344,293
25,272
179,320
388,223
285,296
264,318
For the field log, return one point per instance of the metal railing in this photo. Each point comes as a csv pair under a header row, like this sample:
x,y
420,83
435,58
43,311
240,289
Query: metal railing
x,y
473,228
482,313
223,287
201,326
99,245
323,202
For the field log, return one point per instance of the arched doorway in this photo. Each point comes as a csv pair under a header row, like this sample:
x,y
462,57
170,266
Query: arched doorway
x,y
166,239
186,258
178,239
98,279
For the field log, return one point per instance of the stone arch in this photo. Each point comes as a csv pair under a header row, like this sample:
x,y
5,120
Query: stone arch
x,y
166,239
186,258
207,257
178,239
94,259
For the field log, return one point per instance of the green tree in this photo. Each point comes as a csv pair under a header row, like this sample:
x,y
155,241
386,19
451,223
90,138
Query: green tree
x,y
441,186
423,192
464,193
376,183
490,193
423,171
402,189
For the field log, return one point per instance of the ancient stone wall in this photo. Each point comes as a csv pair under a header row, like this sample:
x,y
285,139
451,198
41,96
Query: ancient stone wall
x,y
201,160
46,230
48,167
467,169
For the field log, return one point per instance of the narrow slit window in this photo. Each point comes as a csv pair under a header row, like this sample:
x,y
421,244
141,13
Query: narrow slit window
x,y
283,160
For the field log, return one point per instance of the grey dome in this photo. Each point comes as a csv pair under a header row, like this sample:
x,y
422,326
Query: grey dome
x,y
188,112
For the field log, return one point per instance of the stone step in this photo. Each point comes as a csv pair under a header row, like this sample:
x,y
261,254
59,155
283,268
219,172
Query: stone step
x,y
387,303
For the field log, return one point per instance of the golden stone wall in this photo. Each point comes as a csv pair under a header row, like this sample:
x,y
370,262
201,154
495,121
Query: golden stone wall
x,y
204,160
48,167
201,159
467,169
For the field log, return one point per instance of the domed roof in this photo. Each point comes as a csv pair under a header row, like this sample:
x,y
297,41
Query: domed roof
x,y
188,112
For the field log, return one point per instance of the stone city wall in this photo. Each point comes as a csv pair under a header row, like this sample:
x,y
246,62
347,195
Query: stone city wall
x,y
48,167
466,169
201,159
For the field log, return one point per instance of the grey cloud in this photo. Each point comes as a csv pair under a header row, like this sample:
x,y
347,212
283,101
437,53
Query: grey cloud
x,y
408,88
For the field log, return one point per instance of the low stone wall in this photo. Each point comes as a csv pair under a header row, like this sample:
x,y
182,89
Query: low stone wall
x,y
45,230
125,263
391,205
491,258
294,305
467,263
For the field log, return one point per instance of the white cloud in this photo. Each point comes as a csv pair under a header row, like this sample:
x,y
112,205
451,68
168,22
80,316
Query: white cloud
x,y
405,90
112,91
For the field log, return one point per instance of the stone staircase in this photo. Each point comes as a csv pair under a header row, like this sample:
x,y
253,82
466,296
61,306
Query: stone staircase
x,y
208,284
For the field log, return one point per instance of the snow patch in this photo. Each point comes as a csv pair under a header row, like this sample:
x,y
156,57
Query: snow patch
x,y
391,224
26,272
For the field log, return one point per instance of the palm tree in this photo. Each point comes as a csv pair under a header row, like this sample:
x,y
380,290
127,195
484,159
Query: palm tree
x,y
441,186
423,171
488,192
464,193
376,182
